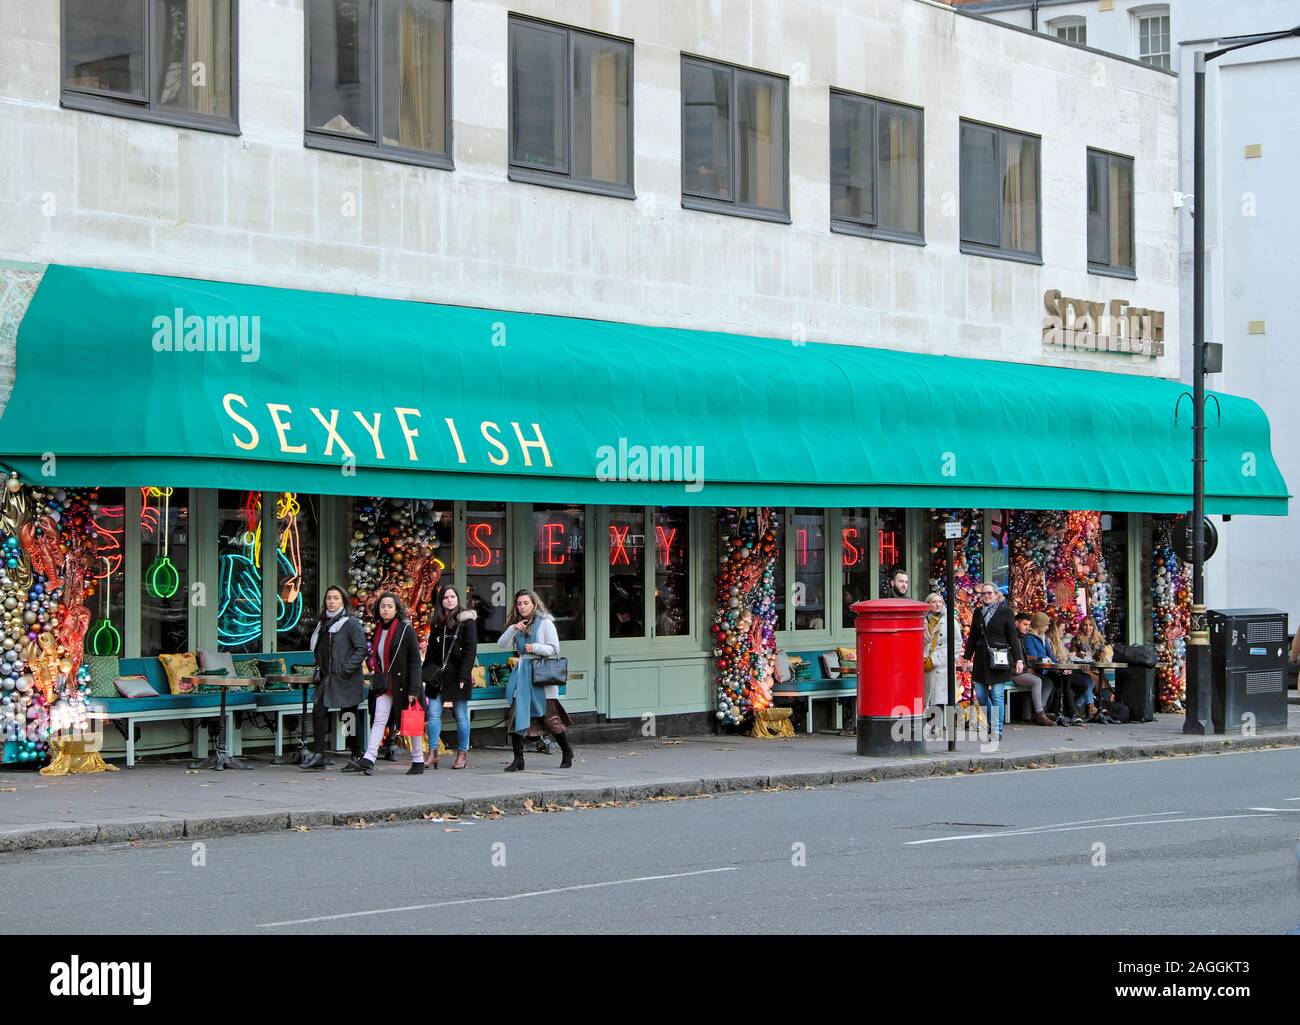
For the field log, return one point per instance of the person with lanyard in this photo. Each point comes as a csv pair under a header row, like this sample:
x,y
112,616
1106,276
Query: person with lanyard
x,y
997,649
339,644
395,663
533,710
449,670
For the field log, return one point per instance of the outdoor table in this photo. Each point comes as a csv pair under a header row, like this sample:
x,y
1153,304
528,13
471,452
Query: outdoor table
x,y
1039,665
304,681
220,760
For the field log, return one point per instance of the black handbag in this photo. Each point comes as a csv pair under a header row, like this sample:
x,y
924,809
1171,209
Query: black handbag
x,y
550,671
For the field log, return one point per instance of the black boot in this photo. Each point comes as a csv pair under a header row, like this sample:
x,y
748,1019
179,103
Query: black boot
x,y
314,762
517,745
563,740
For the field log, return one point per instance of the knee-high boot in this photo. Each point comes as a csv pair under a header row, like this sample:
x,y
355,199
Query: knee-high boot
x,y
517,745
563,740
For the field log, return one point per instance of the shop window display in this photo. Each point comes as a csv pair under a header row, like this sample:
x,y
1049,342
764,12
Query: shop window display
x,y
809,592
855,559
239,571
485,568
164,560
672,572
298,586
967,575
560,566
106,508
891,545
627,548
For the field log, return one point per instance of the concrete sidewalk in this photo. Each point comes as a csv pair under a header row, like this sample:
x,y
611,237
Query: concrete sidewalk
x,y
162,801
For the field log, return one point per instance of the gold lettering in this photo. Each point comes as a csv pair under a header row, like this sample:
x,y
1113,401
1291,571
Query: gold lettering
x,y
495,443
411,435
526,445
332,427
455,438
373,432
252,431
282,428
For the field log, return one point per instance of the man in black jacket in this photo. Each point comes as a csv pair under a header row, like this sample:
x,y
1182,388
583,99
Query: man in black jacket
x,y
998,654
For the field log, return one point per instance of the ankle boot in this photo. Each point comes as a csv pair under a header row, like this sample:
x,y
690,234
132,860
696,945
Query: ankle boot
x,y
563,740
517,745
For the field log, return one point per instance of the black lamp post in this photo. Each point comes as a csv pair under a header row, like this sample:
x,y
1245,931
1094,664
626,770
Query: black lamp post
x,y
1198,704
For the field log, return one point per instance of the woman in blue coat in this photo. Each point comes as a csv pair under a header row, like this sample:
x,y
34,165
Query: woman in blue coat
x,y
533,710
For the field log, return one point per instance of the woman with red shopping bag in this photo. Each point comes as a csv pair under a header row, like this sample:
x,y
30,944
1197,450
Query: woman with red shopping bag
x,y
395,663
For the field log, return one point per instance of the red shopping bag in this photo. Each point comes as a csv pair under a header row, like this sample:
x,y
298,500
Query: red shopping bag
x,y
413,721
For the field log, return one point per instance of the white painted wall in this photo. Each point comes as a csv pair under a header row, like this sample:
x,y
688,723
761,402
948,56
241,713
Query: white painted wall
x,y
1252,253
261,208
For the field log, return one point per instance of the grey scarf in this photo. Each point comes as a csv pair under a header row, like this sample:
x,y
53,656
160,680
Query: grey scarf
x,y
990,610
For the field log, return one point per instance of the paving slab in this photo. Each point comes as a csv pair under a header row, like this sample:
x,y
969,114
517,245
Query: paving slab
x,y
165,800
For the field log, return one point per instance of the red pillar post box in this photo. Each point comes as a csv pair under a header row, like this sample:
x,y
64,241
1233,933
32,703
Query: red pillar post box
x,y
891,677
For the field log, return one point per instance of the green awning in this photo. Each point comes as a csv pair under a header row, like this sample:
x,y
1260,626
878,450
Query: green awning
x,y
122,380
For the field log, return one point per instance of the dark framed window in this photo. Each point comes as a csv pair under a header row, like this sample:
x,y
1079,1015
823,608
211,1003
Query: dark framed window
x,y
1110,214
570,108
379,79
877,168
1001,194
172,61
735,140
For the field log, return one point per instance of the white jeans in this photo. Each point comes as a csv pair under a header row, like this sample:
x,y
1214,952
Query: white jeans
x,y
383,709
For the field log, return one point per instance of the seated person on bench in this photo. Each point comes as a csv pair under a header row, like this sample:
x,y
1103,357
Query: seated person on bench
x,y
1040,687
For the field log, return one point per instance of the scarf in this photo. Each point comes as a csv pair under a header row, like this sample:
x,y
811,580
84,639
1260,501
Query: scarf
x,y
990,610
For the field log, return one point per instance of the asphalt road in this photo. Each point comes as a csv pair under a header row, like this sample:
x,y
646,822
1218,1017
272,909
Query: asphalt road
x,y
1198,845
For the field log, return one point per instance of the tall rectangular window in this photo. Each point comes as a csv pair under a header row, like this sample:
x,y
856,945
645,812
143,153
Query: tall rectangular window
x,y
627,550
158,60
855,560
1000,193
164,559
735,125
672,550
560,566
239,571
378,78
1153,40
809,593
877,183
485,567
570,108
1110,214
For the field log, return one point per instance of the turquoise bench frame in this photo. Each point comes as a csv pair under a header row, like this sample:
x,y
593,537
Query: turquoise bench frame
x,y
817,688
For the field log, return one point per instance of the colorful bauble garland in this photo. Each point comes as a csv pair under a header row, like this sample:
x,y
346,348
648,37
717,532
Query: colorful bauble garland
x,y
47,541
1171,615
395,547
1053,555
744,626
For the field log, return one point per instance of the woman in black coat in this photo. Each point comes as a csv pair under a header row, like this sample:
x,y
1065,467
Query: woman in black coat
x,y
449,669
998,654
395,663
339,646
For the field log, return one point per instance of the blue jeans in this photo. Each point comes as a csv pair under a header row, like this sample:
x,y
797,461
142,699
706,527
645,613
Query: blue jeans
x,y
995,712
460,709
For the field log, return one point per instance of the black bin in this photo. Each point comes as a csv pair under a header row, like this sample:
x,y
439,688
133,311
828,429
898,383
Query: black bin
x,y
1248,653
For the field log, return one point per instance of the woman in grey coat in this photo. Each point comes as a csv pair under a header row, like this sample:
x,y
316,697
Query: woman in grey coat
x,y
532,635
339,643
